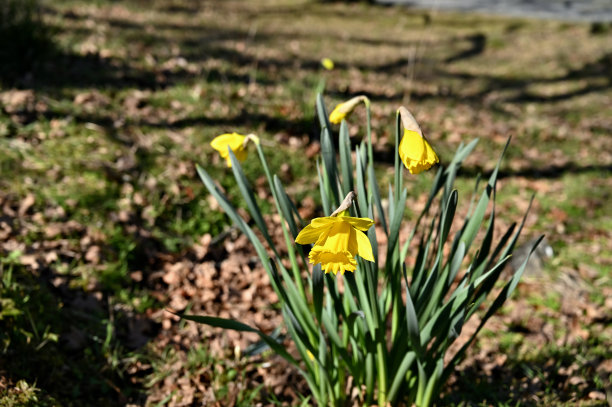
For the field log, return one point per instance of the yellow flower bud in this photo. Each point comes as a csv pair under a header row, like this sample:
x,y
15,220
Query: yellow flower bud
x,y
414,150
327,64
343,109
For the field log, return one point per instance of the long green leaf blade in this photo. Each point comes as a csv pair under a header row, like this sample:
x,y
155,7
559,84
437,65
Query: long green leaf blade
x,y
239,326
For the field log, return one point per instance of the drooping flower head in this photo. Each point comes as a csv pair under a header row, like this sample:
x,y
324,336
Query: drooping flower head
x,y
327,64
414,150
343,109
234,141
337,240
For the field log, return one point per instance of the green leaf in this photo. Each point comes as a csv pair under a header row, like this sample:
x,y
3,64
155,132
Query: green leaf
x,y
355,282
362,197
433,383
322,112
447,218
418,272
375,191
485,246
354,315
297,302
304,346
221,199
322,358
505,293
422,382
241,224
370,371
346,166
398,181
500,245
398,380
325,202
412,322
463,152
329,163
249,197
286,206
339,347
317,289
476,219
510,247
437,185
373,240
437,324
396,222
456,263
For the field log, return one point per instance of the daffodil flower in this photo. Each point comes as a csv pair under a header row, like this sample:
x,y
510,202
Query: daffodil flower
x,y
343,109
414,150
327,63
337,240
234,141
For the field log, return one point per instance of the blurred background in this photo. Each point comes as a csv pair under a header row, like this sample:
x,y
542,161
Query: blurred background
x,y
106,106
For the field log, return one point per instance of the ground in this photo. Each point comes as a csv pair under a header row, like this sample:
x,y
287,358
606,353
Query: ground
x,y
104,224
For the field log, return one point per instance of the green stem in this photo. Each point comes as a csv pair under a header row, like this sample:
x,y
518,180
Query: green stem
x,y
369,131
290,248
398,169
381,361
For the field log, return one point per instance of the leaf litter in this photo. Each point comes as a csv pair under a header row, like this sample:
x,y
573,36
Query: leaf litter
x,y
550,344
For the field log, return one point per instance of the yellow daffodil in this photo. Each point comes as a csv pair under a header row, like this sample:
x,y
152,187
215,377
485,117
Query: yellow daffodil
x,y
327,64
414,150
337,240
236,142
343,109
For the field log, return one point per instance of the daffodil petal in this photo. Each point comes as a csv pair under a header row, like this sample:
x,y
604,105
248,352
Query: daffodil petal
x,y
338,237
430,154
353,247
362,224
416,153
240,153
337,115
412,146
309,234
332,262
364,247
326,221
233,140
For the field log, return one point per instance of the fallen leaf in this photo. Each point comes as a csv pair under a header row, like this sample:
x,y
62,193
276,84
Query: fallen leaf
x,y
26,204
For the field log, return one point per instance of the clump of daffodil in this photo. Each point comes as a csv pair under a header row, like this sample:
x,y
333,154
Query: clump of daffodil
x,y
343,109
414,150
327,64
338,239
234,141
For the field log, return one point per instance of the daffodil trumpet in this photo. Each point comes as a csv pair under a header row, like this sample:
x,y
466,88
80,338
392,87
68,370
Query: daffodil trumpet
x,y
414,150
338,239
344,109
235,142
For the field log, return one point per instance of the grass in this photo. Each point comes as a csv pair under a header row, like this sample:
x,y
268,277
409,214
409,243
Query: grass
x,y
104,129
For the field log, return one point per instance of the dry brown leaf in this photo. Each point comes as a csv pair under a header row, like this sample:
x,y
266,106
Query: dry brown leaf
x,y
93,254
25,204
